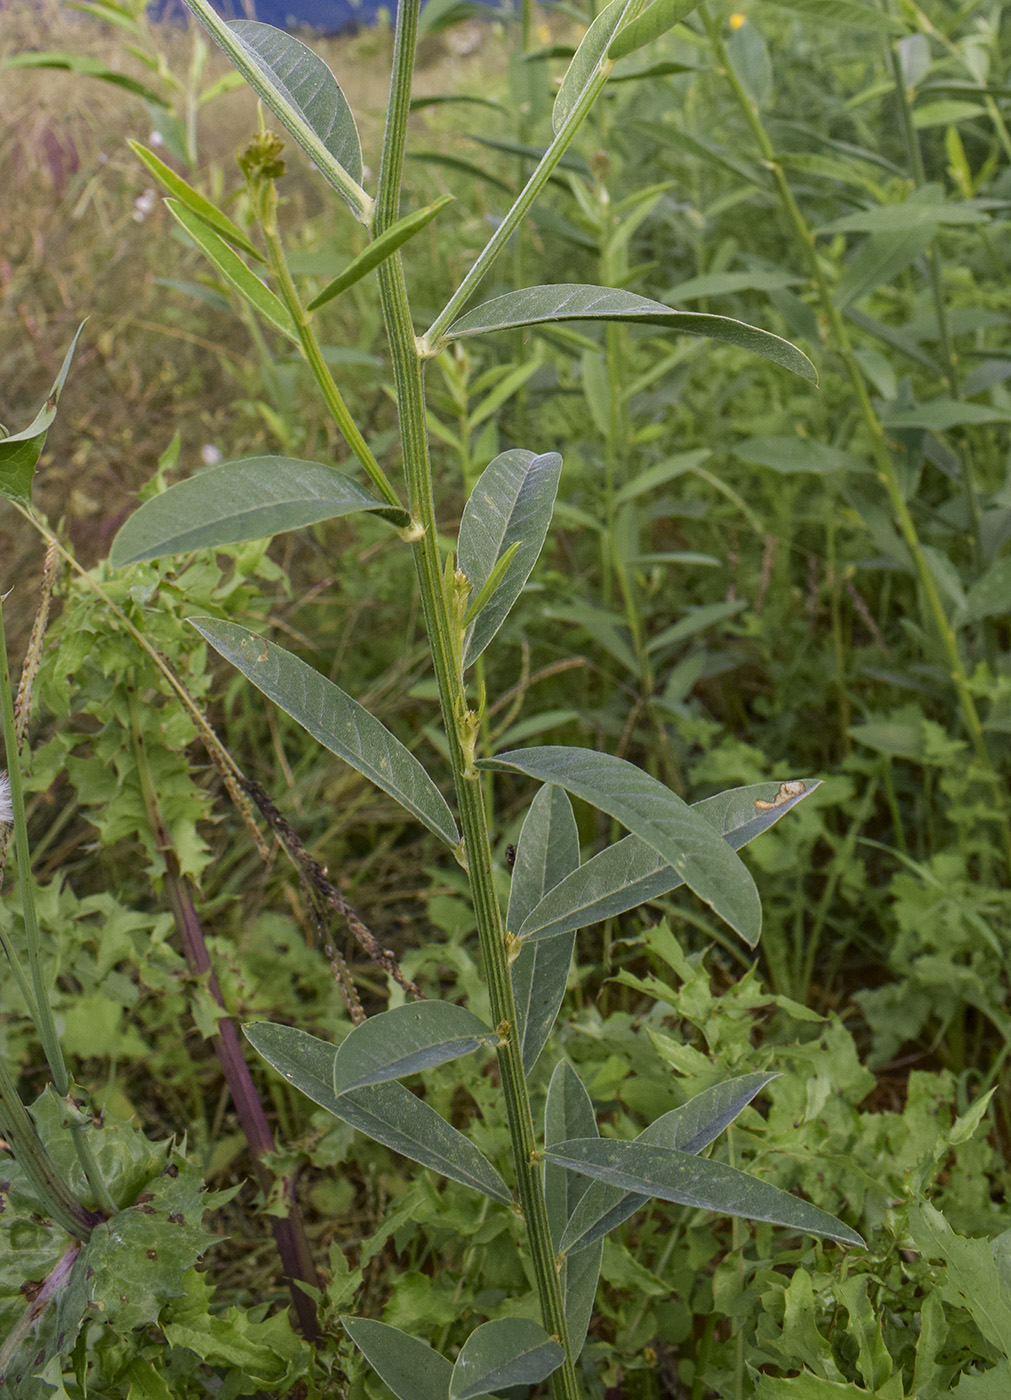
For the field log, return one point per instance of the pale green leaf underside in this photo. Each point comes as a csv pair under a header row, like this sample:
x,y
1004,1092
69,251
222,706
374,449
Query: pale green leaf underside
x,y
586,61
331,716
631,873
680,836
654,21
511,503
689,1129
410,1367
409,1038
387,1113
580,302
669,1175
245,500
509,1351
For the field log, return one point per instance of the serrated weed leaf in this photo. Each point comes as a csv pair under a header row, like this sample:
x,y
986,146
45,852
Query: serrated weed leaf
x,y
246,500
331,716
657,816
406,1039
19,452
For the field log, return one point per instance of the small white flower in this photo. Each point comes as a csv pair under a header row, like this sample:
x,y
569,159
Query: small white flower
x,y
6,810
156,139
143,205
210,455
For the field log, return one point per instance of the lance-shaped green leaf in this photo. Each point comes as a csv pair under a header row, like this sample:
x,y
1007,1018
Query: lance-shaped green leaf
x,y
331,716
586,61
234,270
630,873
511,504
845,12
302,93
21,451
387,1113
237,501
568,1113
668,1175
409,1038
547,851
379,250
509,1351
194,200
689,1129
410,1367
536,306
651,24
86,65
649,810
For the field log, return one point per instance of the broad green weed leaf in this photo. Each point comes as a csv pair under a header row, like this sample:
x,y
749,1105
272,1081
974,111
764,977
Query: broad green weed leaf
x,y
586,61
409,1038
510,1351
510,505
989,596
246,500
630,872
331,716
845,12
303,94
379,250
568,1113
689,1128
410,1367
387,1113
565,301
194,200
879,260
234,270
670,1175
971,1277
547,851
873,1360
658,817
651,24
20,452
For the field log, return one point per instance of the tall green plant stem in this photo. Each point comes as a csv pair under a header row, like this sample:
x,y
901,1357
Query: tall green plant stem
x,y
884,466
39,1007
461,723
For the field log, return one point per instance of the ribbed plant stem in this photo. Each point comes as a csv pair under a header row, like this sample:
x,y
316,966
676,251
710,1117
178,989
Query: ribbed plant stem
x,y
461,725
885,469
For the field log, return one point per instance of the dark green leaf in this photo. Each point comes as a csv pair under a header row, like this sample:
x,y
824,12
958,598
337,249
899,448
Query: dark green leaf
x,y
20,451
379,250
670,1175
387,1113
335,720
237,501
689,1128
409,1038
510,504
547,851
510,1351
568,1113
410,1367
989,596
579,302
658,817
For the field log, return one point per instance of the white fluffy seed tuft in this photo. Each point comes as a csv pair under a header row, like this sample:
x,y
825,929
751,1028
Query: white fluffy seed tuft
x,y
6,810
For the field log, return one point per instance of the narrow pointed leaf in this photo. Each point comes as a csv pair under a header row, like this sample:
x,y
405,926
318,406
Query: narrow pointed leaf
x,y
387,1113
689,1128
565,301
510,1351
409,1038
246,500
547,851
410,1367
194,200
568,1113
845,12
379,250
331,716
675,1176
649,810
234,270
630,873
86,65
586,61
510,504
21,451
302,93
651,24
